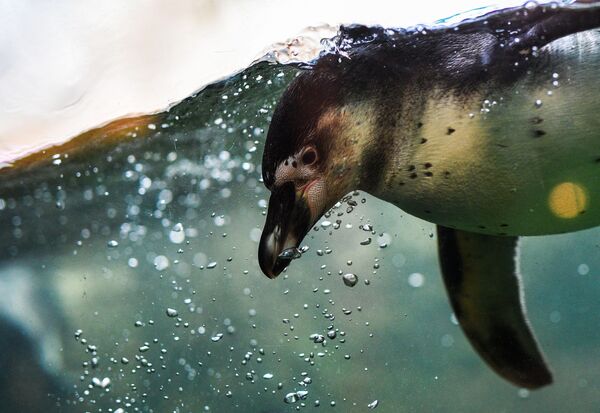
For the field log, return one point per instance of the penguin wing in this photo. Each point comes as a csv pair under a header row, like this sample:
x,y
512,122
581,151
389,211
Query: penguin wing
x,y
522,28
482,279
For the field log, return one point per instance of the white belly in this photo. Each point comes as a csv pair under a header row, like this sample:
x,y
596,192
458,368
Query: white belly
x,y
513,167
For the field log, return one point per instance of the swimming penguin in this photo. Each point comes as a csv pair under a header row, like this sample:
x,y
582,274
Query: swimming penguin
x,y
489,129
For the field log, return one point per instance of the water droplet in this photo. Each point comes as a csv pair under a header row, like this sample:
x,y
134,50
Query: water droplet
x,y
171,312
112,243
350,279
217,337
373,404
531,5
538,103
325,224
211,265
366,241
268,376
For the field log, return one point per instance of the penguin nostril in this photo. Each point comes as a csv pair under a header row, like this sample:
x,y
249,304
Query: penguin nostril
x,y
309,157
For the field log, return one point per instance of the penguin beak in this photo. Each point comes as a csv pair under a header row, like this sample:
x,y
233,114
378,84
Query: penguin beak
x,y
288,221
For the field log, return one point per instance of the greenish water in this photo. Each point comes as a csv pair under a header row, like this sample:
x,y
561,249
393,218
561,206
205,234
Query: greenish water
x,y
129,277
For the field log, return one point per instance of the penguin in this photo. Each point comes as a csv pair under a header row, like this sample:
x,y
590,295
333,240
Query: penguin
x,y
487,128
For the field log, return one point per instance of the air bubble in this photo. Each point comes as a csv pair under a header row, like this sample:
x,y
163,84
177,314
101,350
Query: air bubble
x,y
290,254
350,279
102,383
291,398
583,269
373,404
416,280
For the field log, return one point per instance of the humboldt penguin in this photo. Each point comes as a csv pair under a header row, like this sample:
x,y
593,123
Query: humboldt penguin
x,y
488,128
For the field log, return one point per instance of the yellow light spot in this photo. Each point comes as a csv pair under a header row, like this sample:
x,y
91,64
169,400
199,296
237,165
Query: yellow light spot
x,y
567,200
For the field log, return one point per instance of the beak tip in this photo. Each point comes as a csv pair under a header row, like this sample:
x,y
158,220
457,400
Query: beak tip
x,y
272,271
288,221
270,275
270,263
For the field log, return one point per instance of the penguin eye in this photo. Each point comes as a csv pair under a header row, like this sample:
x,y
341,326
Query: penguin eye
x,y
309,157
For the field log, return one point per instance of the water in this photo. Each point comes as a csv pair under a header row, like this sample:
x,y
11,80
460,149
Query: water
x,y
130,282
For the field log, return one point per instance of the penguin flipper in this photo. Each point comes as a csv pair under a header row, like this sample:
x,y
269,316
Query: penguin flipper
x,y
563,22
481,276
521,28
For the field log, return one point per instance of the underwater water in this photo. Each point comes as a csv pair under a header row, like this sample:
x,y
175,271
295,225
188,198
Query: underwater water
x,y
130,283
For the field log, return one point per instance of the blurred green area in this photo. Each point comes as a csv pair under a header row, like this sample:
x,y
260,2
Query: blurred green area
x,y
105,241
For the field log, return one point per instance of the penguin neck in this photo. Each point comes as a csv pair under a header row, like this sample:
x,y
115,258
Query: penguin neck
x,y
383,164
385,151
351,149
374,148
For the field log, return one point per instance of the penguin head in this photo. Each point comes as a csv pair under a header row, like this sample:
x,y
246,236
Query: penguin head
x,y
309,163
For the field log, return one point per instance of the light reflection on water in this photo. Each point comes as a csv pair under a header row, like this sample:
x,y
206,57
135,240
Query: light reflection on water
x,y
84,64
131,282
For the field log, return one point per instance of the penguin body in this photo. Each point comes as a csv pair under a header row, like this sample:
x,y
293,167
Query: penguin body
x,y
519,157
488,129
